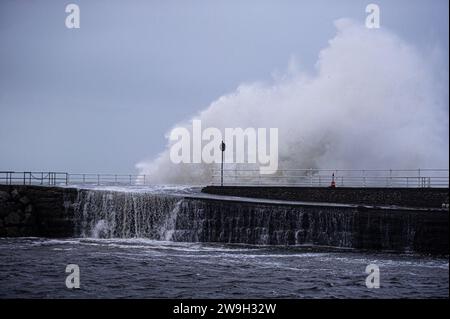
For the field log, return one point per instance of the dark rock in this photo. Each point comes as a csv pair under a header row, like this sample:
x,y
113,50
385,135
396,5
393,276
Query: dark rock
x,y
4,196
29,208
15,194
34,207
29,219
12,231
24,200
7,207
12,219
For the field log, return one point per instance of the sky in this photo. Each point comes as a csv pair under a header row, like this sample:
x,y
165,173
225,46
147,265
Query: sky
x,y
101,98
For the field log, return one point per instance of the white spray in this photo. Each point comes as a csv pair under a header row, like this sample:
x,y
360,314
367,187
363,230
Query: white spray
x,y
374,102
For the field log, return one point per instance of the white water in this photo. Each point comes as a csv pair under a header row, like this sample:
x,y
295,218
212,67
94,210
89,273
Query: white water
x,y
374,102
107,214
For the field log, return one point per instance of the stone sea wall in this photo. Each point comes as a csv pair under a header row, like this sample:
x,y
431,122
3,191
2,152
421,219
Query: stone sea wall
x,y
36,211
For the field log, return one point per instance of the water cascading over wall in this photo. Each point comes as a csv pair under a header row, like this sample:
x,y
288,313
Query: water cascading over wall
x,y
167,217
338,226
112,214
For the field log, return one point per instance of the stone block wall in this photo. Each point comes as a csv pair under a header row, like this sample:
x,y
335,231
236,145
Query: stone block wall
x,y
36,211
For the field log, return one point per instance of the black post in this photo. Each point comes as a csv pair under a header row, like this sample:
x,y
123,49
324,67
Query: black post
x,y
222,148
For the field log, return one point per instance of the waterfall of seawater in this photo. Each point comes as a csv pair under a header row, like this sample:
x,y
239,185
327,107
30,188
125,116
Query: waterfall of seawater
x,y
261,224
112,214
108,214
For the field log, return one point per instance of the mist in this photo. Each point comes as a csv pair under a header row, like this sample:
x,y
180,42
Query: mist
x,y
373,102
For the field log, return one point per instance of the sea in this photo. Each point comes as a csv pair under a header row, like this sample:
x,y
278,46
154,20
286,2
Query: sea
x,y
143,268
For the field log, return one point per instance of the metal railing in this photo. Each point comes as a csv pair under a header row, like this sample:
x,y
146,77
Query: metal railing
x,y
107,179
33,178
63,178
342,177
251,177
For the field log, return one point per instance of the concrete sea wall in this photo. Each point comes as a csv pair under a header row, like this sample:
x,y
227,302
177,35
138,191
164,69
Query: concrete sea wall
x,y
408,197
68,212
348,226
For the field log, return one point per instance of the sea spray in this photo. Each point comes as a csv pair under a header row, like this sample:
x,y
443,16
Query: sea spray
x,y
374,101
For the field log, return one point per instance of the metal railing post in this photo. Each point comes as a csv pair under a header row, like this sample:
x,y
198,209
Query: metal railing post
x,y
419,174
364,178
390,177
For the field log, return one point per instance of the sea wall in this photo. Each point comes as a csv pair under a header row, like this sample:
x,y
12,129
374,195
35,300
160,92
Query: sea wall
x,y
371,228
67,212
36,211
409,197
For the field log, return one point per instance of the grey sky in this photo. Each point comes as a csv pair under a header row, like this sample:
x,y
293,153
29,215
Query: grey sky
x,y
101,98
